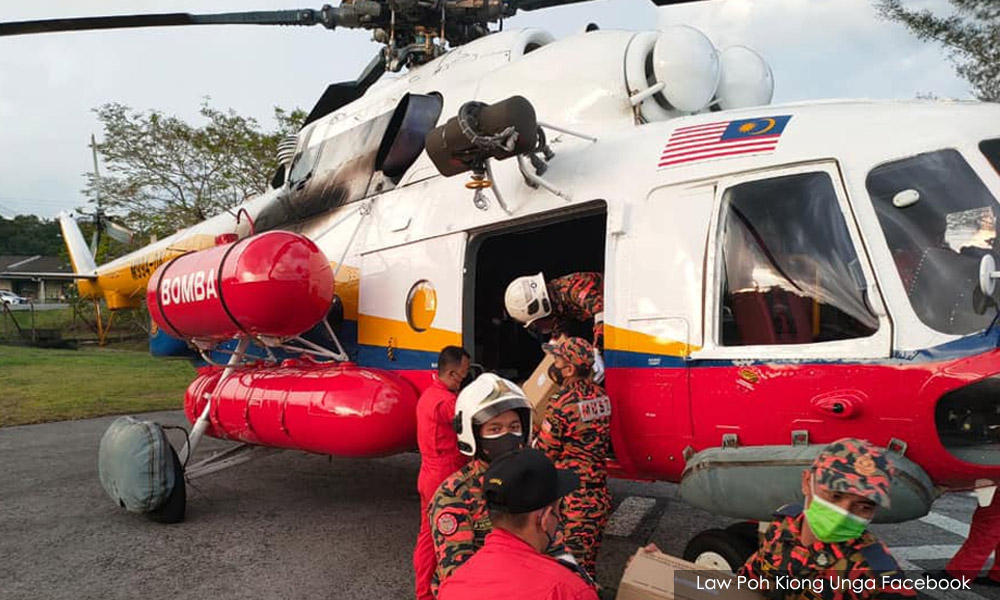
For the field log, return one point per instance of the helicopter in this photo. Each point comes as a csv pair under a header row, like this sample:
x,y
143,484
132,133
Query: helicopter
x,y
775,276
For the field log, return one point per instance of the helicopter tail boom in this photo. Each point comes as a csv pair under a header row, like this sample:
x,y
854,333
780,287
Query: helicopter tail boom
x,y
79,253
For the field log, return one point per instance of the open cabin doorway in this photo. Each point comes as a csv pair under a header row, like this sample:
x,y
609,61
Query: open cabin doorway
x,y
556,245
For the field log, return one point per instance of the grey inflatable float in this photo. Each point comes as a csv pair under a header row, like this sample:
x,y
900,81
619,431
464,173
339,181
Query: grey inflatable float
x,y
751,483
140,471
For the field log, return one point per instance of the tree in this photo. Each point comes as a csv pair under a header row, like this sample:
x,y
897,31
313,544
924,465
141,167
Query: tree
x,y
164,174
971,35
29,235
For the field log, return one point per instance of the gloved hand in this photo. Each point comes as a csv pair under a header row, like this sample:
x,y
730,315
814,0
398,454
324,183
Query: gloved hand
x,y
598,367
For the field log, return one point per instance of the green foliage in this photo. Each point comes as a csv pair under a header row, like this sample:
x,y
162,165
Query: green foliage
x,y
971,34
164,174
29,235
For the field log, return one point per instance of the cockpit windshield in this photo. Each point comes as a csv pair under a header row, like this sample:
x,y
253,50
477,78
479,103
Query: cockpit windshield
x,y
939,220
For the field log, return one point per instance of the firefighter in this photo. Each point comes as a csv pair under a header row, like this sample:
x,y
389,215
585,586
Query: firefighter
x,y
576,435
547,308
829,540
492,418
439,455
523,491
983,540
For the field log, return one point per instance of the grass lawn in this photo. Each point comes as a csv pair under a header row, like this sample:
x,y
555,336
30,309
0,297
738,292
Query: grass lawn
x,y
39,385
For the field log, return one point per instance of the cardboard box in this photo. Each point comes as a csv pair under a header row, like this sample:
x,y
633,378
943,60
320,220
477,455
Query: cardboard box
x,y
658,576
539,389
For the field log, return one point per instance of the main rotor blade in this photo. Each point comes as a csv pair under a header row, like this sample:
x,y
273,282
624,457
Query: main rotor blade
x,y
328,16
118,232
528,5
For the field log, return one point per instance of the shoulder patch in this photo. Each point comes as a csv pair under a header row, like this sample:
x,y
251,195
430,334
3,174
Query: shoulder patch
x,y
878,559
446,524
595,408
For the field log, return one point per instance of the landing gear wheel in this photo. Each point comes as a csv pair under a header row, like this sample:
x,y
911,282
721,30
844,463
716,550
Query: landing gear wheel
x,y
172,511
719,550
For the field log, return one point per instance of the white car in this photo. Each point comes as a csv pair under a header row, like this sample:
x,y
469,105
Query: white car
x,y
7,297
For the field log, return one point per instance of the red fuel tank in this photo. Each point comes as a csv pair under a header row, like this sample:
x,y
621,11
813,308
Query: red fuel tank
x,y
340,409
276,284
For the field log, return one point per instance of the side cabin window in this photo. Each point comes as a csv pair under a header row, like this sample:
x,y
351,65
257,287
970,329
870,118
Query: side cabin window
x,y
790,273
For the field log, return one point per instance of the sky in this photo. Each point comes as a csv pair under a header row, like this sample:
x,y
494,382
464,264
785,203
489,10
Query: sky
x,y
50,83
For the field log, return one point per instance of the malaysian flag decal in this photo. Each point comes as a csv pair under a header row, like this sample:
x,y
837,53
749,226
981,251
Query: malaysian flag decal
x,y
722,140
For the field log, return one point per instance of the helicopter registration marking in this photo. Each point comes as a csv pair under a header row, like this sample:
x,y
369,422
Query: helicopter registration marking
x,y
190,287
723,139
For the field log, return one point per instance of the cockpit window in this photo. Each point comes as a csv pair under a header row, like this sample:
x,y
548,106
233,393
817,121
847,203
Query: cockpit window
x,y
791,273
939,220
991,148
302,164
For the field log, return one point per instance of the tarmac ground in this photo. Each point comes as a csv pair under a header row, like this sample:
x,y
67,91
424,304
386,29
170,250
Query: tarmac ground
x,y
302,526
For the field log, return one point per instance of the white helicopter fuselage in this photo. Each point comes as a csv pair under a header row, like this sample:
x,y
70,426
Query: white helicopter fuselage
x,y
823,335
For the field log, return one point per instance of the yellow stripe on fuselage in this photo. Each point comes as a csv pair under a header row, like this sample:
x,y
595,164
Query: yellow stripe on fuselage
x,y
626,340
376,331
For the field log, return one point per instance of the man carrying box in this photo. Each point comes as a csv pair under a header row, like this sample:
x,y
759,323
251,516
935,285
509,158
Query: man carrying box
x,y
844,486
825,552
546,308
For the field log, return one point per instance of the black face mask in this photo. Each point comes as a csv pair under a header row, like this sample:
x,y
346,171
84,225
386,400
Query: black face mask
x,y
555,374
495,447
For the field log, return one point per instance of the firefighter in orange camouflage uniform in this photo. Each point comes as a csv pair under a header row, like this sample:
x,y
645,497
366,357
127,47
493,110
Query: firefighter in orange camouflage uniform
x,y
576,435
492,417
547,308
828,540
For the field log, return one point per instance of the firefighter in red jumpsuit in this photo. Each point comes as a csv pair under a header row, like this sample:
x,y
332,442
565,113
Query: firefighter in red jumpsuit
x,y
439,455
984,538
523,491
547,308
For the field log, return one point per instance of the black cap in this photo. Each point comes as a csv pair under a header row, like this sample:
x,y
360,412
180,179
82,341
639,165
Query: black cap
x,y
525,480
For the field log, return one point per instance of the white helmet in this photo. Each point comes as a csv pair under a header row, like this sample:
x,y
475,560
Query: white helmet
x,y
486,397
527,299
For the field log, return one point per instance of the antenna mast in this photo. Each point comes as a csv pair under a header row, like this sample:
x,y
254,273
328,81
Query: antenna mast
x,y
98,213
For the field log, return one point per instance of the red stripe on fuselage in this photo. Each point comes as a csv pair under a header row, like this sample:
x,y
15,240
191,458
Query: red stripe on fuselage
x,y
658,412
